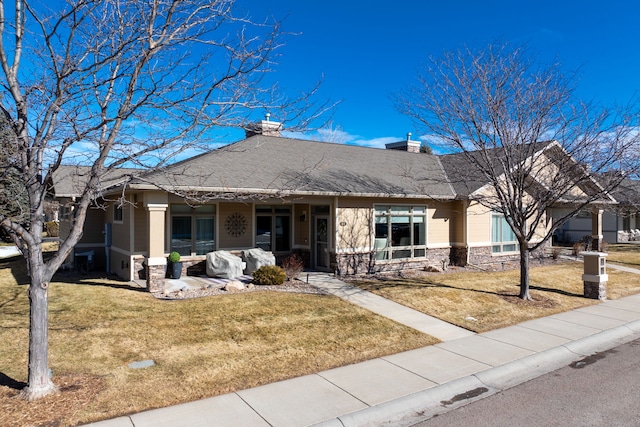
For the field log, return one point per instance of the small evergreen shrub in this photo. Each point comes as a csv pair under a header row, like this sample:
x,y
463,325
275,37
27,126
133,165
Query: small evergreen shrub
x,y
174,257
52,228
269,275
293,266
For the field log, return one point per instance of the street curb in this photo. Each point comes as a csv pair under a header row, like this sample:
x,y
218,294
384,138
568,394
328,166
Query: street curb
x,y
420,406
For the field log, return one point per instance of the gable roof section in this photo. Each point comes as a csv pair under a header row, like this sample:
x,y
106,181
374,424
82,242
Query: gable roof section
x,y
464,174
275,165
70,180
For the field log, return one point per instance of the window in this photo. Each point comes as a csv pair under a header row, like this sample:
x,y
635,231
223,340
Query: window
x,y
192,229
117,212
273,228
400,232
503,238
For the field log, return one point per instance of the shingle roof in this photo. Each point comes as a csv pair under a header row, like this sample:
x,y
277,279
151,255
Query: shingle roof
x,y
295,166
628,192
69,180
465,176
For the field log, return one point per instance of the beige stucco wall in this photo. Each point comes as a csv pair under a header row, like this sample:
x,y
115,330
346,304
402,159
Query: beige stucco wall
x,y
94,226
224,239
458,221
439,223
478,225
353,225
120,231
140,225
301,229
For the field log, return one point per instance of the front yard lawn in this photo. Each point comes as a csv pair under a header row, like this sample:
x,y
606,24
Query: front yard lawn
x,y
201,347
482,301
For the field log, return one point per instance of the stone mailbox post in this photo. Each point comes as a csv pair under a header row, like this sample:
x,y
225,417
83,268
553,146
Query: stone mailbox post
x,y
595,275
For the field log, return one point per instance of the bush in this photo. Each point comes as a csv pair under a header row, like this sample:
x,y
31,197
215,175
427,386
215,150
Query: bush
x,y
269,275
174,257
52,228
577,248
293,266
555,252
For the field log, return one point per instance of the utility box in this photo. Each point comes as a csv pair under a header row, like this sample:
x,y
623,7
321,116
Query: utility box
x,y
595,275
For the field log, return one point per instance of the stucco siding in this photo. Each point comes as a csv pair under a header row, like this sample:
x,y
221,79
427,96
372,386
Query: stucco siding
x,y
354,228
140,224
478,225
439,224
227,240
120,231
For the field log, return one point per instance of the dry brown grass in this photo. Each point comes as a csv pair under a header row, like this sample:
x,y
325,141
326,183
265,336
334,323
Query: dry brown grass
x,y
488,300
202,347
626,254
210,346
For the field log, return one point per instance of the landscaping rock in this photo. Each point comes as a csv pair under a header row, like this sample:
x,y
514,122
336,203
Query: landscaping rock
x,y
256,258
224,264
234,286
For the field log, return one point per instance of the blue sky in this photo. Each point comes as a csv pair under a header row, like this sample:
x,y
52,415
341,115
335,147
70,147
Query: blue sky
x,y
368,50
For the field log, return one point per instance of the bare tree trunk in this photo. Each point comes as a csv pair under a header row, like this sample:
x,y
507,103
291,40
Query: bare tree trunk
x,y
38,378
524,271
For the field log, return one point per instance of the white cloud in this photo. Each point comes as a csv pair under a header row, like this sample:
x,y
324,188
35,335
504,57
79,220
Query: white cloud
x,y
338,136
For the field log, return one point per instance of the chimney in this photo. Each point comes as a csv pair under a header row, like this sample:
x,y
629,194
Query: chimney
x,y
406,145
264,127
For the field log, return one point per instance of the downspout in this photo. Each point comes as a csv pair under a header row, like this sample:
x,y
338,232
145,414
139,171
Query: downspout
x,y
334,244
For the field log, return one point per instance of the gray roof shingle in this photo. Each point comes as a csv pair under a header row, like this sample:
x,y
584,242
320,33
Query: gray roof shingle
x,y
295,166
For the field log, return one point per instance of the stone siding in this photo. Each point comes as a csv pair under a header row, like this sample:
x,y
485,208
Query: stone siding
x,y
354,263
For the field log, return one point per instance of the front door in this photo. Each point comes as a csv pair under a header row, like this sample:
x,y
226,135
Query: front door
x,y
321,244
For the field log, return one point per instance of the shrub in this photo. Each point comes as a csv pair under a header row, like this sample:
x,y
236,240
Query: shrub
x,y
52,228
293,266
269,275
555,253
174,257
577,248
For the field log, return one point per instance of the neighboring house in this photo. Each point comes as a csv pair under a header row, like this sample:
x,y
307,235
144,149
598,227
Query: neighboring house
x,y
346,209
619,223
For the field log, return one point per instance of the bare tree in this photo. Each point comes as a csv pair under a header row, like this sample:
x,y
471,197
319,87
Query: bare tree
x,y
495,107
111,83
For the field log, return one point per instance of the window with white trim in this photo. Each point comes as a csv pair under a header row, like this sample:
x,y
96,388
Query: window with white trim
x,y
400,232
503,239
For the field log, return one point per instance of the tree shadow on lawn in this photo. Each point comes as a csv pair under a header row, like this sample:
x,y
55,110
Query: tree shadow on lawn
x,y
17,266
394,283
95,279
7,381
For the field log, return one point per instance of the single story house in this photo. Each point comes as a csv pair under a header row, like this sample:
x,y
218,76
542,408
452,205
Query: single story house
x,y
344,209
620,222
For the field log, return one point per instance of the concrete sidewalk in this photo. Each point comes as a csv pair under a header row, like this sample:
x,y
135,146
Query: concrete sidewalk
x,y
405,388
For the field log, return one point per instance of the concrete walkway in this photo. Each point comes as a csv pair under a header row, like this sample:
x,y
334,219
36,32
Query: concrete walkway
x,y
407,316
405,388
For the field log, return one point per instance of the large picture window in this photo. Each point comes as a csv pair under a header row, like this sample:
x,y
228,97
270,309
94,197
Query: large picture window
x,y
400,232
502,237
192,229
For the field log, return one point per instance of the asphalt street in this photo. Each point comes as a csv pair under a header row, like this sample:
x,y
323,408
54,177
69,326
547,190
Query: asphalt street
x,y
599,390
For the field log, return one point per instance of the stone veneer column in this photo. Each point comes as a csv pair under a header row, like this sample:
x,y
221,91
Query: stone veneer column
x,y
156,262
595,275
